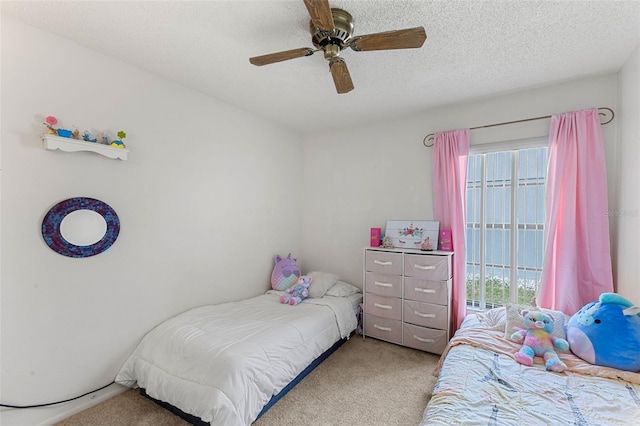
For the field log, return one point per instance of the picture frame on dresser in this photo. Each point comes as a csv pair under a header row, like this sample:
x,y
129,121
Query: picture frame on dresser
x,y
407,297
411,234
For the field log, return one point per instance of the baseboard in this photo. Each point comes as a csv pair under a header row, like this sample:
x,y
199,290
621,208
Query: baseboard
x,y
46,416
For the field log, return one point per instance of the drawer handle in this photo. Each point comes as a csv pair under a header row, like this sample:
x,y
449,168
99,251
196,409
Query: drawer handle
x,y
423,340
424,267
378,305
379,262
382,284
379,327
420,314
425,290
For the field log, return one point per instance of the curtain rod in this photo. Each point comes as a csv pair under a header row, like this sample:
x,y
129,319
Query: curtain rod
x,y
604,114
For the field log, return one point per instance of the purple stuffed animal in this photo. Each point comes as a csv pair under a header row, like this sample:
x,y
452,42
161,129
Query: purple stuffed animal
x,y
285,273
298,292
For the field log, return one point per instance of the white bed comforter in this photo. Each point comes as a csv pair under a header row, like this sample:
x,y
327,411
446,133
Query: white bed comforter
x,y
223,363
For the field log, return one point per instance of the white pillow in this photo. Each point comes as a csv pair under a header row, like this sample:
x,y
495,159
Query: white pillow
x,y
320,283
515,319
342,289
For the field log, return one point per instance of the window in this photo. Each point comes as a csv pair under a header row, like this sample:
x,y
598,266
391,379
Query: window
x,y
505,224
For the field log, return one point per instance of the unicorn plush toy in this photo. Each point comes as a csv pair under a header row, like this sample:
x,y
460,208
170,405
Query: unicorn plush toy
x,y
285,273
298,292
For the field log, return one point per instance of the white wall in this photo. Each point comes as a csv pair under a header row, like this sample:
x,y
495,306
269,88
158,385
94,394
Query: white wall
x,y
627,207
205,201
361,177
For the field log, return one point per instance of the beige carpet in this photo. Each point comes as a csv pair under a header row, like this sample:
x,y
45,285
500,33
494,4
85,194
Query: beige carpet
x,y
365,382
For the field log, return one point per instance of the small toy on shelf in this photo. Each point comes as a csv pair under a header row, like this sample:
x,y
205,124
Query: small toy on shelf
x,y
76,133
118,142
51,121
87,136
106,136
65,133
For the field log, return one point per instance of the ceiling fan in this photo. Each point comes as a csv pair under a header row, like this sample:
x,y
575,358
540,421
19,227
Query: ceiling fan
x,y
332,31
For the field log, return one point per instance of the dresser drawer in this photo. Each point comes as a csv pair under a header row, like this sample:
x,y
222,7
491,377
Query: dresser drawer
x,y
385,307
426,314
428,291
383,262
384,285
383,328
425,339
431,267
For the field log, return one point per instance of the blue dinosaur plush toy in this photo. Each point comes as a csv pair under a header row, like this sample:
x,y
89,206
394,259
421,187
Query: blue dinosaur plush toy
x,y
298,292
538,340
607,333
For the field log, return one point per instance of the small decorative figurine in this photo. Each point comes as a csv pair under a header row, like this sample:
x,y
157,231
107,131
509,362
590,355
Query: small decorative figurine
x,y
65,133
106,136
426,245
87,136
118,142
51,121
76,133
387,242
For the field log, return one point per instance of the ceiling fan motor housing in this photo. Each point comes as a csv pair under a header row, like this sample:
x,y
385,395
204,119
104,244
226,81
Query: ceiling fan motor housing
x,y
340,36
333,32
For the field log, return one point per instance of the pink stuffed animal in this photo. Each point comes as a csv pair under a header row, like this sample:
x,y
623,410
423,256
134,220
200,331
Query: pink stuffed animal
x,y
298,292
538,340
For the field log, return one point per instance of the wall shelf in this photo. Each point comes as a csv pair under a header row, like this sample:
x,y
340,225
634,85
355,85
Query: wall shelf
x,y
53,142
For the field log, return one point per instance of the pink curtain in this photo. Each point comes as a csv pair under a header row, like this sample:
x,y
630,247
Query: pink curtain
x,y
577,260
450,155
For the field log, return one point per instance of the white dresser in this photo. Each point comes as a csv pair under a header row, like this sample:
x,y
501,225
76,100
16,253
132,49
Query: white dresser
x,y
407,297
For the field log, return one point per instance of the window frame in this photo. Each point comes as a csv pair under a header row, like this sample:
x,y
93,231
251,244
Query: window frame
x,y
514,146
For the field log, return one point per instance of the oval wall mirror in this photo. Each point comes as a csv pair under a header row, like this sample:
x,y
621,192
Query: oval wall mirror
x,y
83,227
80,227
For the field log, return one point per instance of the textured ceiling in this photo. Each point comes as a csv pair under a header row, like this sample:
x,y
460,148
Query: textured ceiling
x,y
473,49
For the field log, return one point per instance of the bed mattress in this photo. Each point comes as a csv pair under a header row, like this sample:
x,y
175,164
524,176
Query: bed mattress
x,y
223,363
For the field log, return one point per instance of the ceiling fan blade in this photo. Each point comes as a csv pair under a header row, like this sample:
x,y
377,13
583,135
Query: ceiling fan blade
x,y
281,56
341,76
320,13
401,39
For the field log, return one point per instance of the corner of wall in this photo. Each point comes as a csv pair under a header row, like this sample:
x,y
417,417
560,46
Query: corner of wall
x,y
626,212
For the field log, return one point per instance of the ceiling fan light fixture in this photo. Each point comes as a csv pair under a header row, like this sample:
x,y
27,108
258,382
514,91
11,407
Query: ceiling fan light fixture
x,y
341,33
331,51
